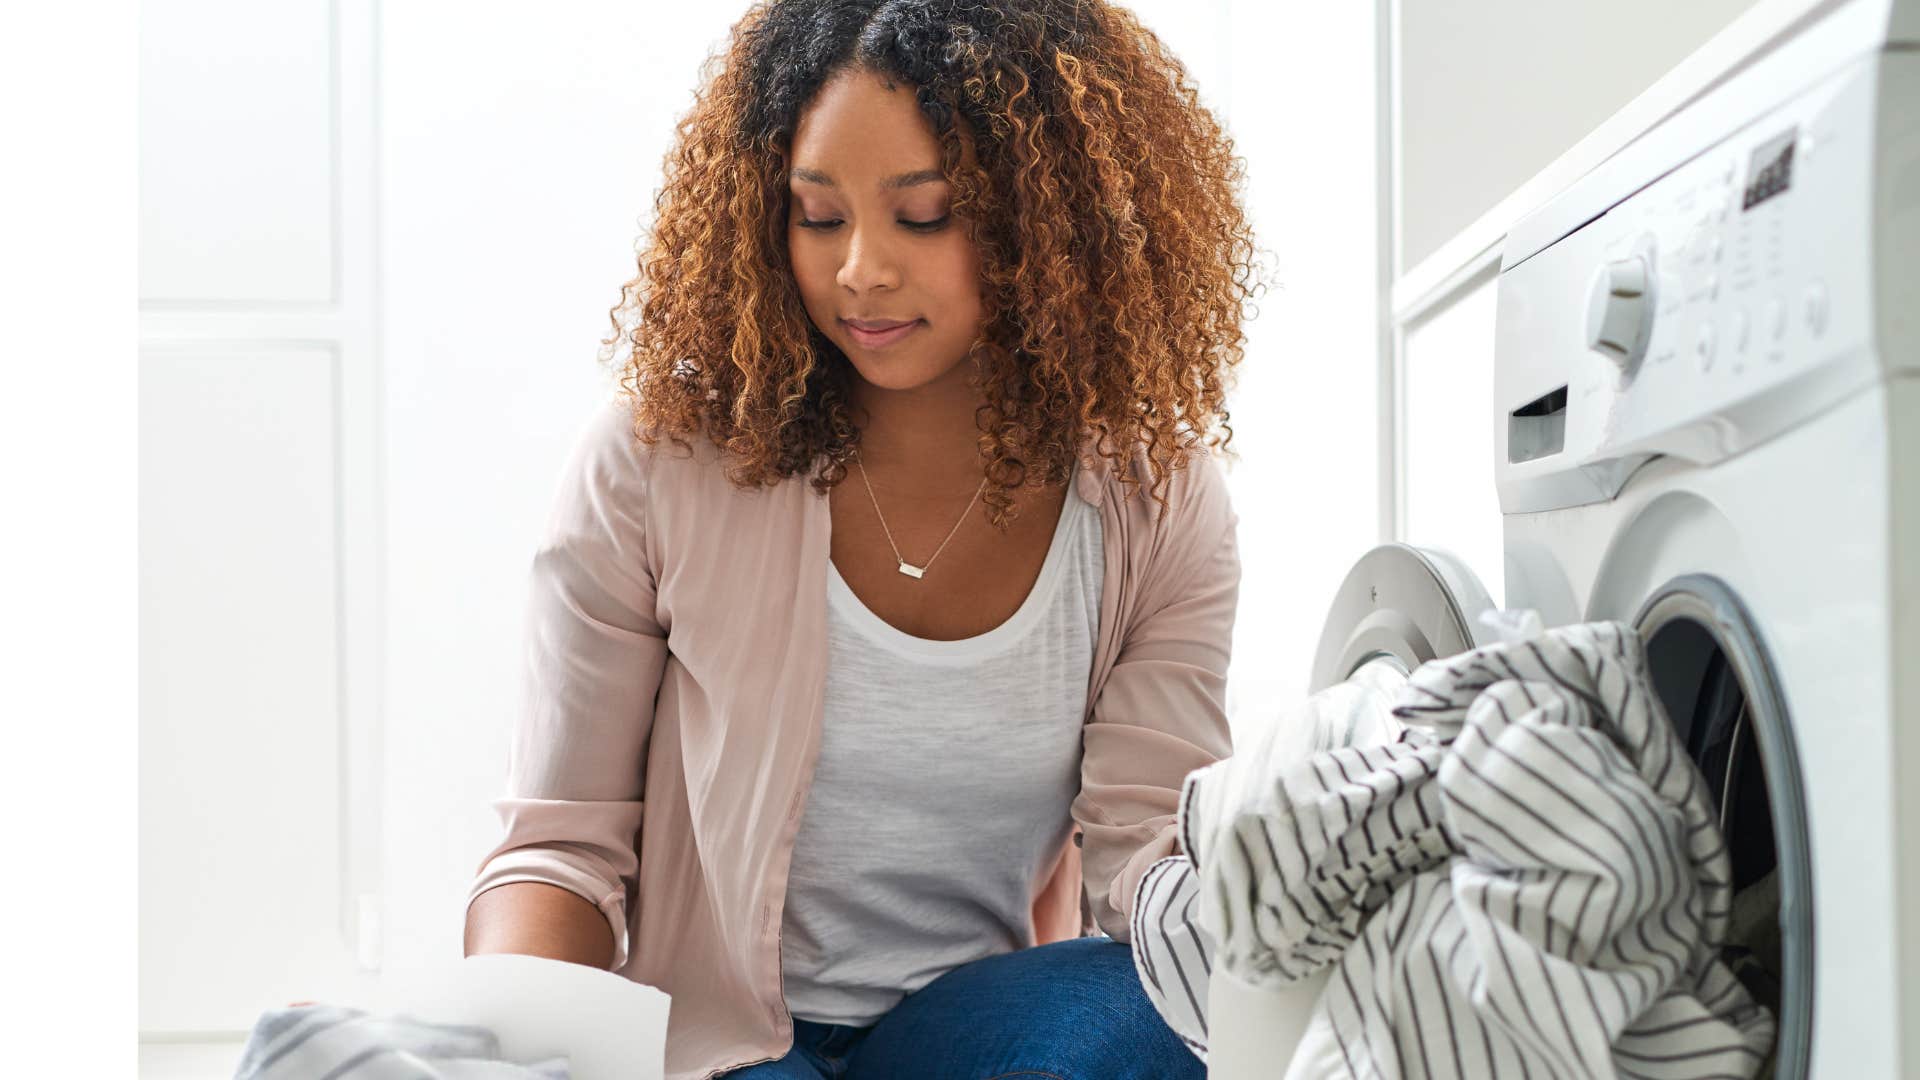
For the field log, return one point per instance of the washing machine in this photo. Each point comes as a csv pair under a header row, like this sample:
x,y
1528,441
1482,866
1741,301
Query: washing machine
x,y
1707,412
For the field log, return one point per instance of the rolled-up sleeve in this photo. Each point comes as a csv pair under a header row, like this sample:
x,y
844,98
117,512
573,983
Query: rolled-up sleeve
x,y
594,654
1162,710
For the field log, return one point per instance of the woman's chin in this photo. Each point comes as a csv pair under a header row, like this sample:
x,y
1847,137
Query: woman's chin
x,y
890,373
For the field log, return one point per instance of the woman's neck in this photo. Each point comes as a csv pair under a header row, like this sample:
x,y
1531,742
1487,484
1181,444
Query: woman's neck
x,y
923,438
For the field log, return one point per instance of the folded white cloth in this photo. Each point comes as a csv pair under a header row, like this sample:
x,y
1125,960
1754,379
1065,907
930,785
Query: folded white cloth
x,y
335,1042
1528,883
1172,951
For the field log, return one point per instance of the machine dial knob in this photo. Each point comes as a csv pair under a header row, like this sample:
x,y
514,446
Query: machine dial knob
x,y
1620,312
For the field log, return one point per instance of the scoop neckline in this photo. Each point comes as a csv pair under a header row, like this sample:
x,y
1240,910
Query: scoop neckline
x,y
984,643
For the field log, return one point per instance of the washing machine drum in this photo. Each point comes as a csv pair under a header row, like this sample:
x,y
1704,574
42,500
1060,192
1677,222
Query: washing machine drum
x,y
1709,666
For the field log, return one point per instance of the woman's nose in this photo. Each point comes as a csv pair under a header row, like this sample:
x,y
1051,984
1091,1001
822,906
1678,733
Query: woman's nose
x,y
869,264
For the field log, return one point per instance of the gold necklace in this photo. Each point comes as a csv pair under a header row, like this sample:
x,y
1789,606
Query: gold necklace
x,y
906,567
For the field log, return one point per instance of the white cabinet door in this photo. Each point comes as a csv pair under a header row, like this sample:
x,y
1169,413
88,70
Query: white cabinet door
x,y
241,736
1447,423
259,606
237,153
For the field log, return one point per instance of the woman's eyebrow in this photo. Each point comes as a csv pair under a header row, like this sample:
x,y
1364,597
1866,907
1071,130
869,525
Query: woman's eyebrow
x,y
904,180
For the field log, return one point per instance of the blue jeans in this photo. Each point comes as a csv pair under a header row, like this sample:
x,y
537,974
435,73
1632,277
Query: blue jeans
x,y
1069,1010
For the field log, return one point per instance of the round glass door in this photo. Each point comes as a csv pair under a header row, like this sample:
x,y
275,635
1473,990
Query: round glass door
x,y
1710,668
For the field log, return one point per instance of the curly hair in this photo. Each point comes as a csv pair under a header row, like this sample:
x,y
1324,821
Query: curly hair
x,y
1102,196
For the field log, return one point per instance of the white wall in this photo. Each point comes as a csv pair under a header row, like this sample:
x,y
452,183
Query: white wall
x,y
518,155
1294,85
1301,108
1491,91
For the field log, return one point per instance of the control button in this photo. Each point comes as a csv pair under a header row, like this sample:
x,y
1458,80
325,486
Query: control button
x,y
1620,312
1703,347
1713,286
1717,245
1742,328
1817,308
1776,318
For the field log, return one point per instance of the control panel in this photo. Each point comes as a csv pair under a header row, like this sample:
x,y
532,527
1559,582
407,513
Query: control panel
x,y
1711,309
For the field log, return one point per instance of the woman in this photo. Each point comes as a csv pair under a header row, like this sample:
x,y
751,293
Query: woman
x,y
856,586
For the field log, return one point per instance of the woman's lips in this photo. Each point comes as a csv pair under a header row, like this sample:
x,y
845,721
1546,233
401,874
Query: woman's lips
x,y
879,339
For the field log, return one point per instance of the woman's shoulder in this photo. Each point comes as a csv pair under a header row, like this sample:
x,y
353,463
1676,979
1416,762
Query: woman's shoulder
x,y
1193,493
1181,545
614,444
1165,543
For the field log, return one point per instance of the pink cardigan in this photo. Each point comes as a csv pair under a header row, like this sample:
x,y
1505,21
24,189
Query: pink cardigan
x,y
676,655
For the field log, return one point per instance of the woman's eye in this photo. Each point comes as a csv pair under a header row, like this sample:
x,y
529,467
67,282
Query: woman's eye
x,y
834,223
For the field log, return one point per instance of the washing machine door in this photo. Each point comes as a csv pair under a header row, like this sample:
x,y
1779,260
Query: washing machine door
x,y
1714,675
1403,604
1399,605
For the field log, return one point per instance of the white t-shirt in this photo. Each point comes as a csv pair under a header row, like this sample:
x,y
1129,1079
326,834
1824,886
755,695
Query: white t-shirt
x,y
945,777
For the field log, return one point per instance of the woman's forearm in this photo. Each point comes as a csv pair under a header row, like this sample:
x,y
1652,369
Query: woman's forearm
x,y
533,918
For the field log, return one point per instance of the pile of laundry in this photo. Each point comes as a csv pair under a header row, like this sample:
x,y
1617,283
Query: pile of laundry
x,y
305,1042
1503,864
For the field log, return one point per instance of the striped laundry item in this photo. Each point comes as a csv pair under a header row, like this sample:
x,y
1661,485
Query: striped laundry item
x,y
334,1042
1529,883
1172,951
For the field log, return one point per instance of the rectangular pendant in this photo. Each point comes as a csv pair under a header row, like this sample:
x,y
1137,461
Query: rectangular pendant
x,y
911,571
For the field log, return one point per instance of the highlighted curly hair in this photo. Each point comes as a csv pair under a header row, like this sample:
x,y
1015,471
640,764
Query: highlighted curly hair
x,y
1116,259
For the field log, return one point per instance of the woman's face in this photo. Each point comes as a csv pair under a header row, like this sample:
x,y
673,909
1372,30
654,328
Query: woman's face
x,y
885,271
